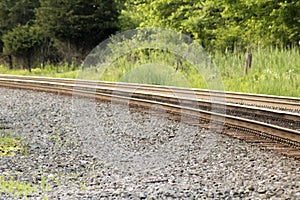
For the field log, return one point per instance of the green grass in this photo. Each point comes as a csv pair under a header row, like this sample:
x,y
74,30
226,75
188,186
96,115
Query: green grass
x,y
16,188
274,71
11,185
10,145
50,71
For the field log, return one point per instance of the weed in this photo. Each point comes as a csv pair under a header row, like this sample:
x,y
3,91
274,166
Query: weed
x,y
57,139
44,185
16,188
9,145
82,187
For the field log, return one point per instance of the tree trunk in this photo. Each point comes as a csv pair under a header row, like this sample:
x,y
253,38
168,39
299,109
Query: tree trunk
x,y
69,53
179,65
10,62
248,62
29,63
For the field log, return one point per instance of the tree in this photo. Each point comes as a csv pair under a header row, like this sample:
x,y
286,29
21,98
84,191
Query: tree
x,y
197,18
152,13
78,25
23,41
220,24
286,24
14,13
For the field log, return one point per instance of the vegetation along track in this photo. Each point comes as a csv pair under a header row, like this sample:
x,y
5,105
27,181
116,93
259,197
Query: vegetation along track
x,y
272,121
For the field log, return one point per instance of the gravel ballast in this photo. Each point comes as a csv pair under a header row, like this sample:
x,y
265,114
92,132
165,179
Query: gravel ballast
x,y
79,149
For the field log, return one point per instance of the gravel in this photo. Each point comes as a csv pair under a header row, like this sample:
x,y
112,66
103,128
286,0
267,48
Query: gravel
x,y
79,149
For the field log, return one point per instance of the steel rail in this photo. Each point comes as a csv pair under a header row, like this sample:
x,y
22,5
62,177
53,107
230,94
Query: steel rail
x,y
269,101
190,102
269,130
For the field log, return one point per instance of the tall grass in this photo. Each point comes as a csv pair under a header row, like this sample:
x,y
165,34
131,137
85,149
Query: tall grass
x,y
149,67
274,71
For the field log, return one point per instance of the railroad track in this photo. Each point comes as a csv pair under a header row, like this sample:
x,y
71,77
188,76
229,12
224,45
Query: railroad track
x,y
268,101
272,121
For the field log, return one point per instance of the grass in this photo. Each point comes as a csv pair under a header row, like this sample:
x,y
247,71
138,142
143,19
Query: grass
x,y
274,71
16,188
10,145
9,184
62,71
10,181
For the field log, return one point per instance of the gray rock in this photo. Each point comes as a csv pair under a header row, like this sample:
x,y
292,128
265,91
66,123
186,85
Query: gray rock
x,y
87,150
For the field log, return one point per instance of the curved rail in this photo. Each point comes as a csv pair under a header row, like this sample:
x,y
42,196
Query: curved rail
x,y
268,101
186,105
191,101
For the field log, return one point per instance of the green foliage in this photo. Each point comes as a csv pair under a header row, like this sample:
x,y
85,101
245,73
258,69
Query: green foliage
x,y
75,27
79,25
23,41
15,13
220,24
136,49
274,71
21,12
68,28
